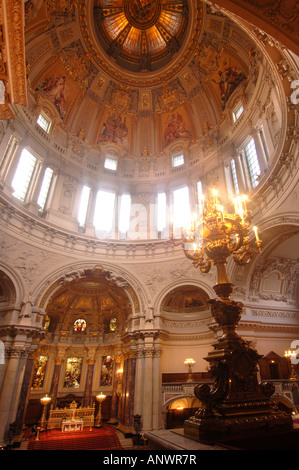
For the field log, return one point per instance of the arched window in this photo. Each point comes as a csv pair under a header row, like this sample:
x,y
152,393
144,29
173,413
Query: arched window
x,y
45,188
23,174
83,206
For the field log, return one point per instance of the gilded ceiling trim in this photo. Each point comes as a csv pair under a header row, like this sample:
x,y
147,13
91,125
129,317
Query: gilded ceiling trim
x,y
279,18
13,16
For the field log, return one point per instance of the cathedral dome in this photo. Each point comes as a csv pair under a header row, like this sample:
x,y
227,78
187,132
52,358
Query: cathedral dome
x,y
141,35
143,97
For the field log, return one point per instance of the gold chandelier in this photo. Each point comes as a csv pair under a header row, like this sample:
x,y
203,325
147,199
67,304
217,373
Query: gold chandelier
x,y
215,235
237,404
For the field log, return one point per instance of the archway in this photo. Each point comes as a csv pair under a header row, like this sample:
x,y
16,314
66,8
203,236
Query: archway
x,y
178,410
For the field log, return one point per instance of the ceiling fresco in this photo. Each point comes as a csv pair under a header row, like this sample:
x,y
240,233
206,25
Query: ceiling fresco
x,y
107,72
141,35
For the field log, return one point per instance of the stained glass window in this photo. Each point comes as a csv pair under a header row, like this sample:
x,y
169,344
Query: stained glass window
x,y
113,324
73,372
136,33
156,42
171,21
39,372
115,24
107,370
79,325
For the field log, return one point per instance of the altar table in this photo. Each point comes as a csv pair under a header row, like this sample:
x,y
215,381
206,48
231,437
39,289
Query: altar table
x,y
72,425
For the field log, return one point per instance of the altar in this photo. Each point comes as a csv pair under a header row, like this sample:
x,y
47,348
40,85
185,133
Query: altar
x,y
73,418
72,425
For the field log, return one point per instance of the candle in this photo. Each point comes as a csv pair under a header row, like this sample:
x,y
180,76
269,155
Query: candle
x,y
235,205
221,212
244,198
215,196
256,234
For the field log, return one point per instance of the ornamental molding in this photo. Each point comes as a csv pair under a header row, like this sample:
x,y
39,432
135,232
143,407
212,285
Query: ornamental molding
x,y
269,313
172,324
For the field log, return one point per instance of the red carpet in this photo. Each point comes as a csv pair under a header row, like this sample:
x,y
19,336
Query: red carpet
x,y
104,438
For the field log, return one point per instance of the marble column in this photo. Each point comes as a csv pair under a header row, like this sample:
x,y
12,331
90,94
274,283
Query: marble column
x,y
147,412
139,380
157,388
24,395
55,380
7,397
261,154
114,401
88,386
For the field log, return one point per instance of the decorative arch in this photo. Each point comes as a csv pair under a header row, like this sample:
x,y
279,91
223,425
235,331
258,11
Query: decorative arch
x,y
176,285
72,272
276,234
12,286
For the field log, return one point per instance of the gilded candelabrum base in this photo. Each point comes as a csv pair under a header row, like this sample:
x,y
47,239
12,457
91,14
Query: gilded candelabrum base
x,y
237,405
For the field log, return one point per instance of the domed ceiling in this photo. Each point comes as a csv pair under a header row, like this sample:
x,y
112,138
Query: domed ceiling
x,y
93,299
133,76
141,34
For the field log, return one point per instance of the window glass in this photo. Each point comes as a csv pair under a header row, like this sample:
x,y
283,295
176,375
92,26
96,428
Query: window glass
x,y
44,122
110,163
83,206
238,111
161,212
124,214
42,198
253,163
234,176
23,174
177,160
104,211
181,208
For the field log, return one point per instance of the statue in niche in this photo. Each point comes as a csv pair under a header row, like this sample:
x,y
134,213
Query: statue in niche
x,y
144,162
26,307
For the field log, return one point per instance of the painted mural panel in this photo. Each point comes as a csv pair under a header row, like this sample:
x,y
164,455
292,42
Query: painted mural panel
x,y
176,125
32,9
107,370
227,77
39,372
73,372
115,129
58,88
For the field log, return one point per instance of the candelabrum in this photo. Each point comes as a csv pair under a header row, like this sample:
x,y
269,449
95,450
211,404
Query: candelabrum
x,y
236,403
44,401
216,234
100,398
189,363
291,355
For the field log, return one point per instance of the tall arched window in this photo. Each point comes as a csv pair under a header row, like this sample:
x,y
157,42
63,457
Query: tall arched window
x,y
23,174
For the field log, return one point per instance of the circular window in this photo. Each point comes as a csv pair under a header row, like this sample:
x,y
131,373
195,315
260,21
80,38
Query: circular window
x,y
79,325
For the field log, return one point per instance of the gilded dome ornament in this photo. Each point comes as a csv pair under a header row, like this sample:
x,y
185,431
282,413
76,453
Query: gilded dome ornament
x,y
141,35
